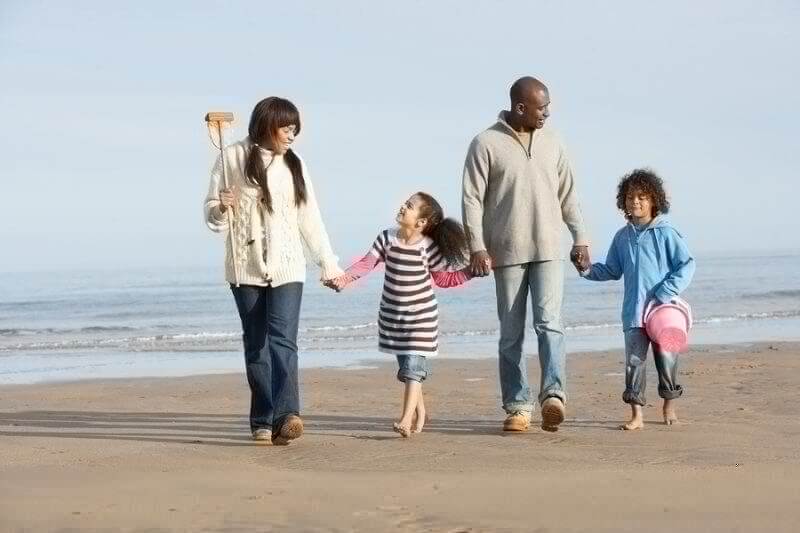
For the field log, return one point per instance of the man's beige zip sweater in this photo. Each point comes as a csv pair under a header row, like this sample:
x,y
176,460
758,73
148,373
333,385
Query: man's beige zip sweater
x,y
515,197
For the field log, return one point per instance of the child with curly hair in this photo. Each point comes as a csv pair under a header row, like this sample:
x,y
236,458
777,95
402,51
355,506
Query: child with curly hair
x,y
657,266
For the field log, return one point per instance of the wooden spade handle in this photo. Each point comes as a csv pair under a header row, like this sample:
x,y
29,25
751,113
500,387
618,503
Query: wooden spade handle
x,y
216,119
219,116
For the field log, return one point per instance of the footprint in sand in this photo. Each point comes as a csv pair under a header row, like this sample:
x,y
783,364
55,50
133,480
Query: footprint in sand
x,y
403,519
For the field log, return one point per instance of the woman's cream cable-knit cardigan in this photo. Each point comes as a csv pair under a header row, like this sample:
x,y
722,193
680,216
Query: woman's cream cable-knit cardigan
x,y
269,246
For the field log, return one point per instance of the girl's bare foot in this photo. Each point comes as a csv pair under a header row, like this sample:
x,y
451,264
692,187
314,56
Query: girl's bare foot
x,y
636,421
412,395
420,416
670,417
402,429
416,426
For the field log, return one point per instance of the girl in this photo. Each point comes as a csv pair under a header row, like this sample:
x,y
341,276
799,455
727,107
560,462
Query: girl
x,y
274,211
424,247
657,265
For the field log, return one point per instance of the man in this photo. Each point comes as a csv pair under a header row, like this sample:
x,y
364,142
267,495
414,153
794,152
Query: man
x,y
518,188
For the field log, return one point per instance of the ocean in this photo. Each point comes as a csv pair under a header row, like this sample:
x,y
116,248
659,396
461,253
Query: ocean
x,y
107,324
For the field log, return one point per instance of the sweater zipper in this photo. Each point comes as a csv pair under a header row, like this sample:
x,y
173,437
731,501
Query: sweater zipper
x,y
530,145
529,150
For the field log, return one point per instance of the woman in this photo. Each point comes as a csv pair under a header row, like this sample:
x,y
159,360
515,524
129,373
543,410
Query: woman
x,y
274,213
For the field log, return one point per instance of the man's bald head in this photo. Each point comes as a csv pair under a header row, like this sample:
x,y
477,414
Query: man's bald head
x,y
529,104
524,89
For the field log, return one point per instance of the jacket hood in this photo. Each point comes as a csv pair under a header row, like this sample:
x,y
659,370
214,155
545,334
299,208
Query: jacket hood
x,y
661,221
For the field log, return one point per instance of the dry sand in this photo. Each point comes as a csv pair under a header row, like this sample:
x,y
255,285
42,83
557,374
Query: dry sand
x,y
175,454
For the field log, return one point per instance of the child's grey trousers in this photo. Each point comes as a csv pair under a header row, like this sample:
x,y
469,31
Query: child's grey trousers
x,y
636,345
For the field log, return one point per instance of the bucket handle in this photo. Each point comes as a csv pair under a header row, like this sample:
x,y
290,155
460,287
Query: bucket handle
x,y
680,303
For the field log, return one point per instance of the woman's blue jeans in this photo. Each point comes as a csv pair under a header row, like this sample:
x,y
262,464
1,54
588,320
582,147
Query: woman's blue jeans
x,y
270,317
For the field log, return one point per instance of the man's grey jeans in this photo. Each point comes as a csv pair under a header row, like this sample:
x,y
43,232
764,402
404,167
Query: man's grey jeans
x,y
544,280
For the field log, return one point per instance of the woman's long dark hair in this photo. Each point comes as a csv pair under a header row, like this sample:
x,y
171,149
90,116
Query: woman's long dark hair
x,y
446,233
269,115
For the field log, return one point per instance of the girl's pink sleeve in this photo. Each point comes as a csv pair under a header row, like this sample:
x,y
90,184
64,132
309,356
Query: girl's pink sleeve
x,y
446,279
441,272
362,267
366,264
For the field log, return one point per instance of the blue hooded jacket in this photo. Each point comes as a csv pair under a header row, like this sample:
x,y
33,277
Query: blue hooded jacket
x,y
655,262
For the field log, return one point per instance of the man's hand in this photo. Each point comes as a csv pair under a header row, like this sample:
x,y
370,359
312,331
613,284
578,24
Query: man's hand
x,y
579,255
480,263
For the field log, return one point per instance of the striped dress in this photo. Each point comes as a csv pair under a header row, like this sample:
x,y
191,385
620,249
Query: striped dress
x,y
408,319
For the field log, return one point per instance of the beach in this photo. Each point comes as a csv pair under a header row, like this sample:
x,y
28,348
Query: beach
x,y
163,454
211,206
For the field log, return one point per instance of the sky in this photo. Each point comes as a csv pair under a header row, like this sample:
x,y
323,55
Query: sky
x,y
106,156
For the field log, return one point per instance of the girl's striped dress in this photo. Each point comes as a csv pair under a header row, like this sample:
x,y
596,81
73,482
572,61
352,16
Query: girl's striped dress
x,y
408,319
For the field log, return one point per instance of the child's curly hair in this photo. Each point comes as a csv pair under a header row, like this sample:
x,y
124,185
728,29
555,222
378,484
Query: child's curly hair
x,y
646,181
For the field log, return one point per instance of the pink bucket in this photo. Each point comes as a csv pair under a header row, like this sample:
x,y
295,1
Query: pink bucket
x,y
668,325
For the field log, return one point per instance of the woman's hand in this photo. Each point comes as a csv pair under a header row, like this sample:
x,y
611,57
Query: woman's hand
x,y
227,199
337,284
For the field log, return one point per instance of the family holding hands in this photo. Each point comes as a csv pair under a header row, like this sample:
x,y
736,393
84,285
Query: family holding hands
x,y
518,190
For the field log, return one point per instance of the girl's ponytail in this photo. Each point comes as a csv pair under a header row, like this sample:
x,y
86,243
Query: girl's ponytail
x,y
449,236
447,233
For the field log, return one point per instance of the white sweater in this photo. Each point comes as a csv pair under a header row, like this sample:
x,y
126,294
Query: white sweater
x,y
268,246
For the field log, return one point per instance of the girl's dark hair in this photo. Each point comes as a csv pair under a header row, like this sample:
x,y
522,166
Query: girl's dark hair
x,y
446,233
645,180
269,115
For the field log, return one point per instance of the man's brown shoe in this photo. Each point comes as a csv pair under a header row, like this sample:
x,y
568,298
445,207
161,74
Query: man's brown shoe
x,y
517,421
552,413
291,429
